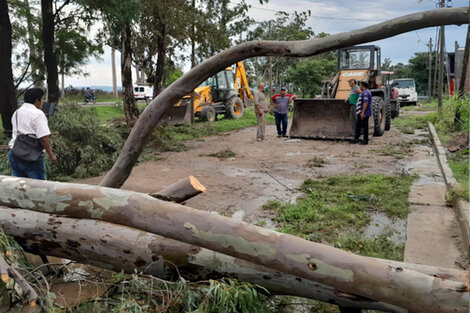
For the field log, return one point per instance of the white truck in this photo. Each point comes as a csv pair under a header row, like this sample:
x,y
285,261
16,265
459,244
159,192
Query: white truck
x,y
406,91
142,92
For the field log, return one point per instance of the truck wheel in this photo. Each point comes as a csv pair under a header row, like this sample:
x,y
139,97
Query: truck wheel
x,y
378,113
388,114
234,108
208,114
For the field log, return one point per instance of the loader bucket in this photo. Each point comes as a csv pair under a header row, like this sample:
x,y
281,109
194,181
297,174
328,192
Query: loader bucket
x,y
321,118
179,114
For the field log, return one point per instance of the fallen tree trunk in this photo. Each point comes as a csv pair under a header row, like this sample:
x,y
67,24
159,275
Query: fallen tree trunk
x,y
285,253
116,247
181,190
185,85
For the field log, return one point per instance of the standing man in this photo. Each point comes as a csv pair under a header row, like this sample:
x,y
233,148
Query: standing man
x,y
281,108
352,100
261,108
30,120
363,111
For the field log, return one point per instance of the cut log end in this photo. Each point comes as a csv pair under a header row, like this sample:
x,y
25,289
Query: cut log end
x,y
5,278
197,184
181,190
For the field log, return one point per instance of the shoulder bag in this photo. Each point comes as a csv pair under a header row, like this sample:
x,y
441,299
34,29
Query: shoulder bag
x,y
26,147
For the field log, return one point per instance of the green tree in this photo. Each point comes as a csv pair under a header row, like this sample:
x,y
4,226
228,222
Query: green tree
x,y
307,75
284,27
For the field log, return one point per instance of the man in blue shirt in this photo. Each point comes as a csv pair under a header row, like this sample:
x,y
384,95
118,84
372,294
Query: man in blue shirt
x,y
363,112
281,108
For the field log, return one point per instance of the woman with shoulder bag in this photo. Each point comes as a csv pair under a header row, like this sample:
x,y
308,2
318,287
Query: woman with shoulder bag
x,y
30,138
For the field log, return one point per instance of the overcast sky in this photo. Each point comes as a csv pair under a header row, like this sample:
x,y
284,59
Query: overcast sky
x,y
330,17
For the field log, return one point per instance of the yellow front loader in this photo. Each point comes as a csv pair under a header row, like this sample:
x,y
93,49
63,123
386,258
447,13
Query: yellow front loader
x,y
226,93
330,116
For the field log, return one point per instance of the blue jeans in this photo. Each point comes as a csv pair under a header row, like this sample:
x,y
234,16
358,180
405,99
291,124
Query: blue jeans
x,y
281,123
36,170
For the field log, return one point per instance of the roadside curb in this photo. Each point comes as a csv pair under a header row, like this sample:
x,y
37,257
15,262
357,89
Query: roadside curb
x,y
461,207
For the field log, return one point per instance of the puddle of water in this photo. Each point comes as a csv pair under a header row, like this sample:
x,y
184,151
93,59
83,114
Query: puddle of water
x,y
291,140
238,215
381,223
435,179
289,154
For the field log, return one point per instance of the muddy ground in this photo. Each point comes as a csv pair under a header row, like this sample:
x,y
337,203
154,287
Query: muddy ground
x,y
273,169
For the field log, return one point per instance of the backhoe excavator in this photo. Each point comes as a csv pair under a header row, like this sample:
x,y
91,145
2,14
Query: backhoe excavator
x,y
330,116
226,93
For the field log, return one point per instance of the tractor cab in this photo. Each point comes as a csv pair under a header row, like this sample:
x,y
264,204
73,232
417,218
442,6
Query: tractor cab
x,y
361,63
222,84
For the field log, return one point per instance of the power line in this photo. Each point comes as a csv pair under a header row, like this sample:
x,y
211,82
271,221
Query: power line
x,y
322,17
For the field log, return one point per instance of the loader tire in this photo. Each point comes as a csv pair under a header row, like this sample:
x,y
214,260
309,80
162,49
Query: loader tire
x,y
396,113
234,108
388,114
208,114
378,113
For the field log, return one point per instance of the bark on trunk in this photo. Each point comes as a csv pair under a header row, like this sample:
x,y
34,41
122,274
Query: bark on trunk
x,y
115,247
466,55
50,59
130,106
281,252
7,88
35,50
161,60
181,190
186,84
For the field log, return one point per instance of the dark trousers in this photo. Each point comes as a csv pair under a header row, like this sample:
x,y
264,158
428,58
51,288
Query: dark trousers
x,y
281,123
362,123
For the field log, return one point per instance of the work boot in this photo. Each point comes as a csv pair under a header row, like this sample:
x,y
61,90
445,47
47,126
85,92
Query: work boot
x,y
364,143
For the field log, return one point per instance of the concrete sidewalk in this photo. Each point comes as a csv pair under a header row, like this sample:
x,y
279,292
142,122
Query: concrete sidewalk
x,y
433,235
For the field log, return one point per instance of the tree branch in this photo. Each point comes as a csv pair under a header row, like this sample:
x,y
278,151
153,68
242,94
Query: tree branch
x,y
185,85
8,272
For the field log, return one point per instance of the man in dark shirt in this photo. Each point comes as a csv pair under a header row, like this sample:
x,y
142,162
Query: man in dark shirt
x,y
363,111
281,108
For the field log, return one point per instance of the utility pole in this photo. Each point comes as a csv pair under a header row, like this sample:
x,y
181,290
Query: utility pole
x,y
270,66
430,70
441,66
463,76
113,66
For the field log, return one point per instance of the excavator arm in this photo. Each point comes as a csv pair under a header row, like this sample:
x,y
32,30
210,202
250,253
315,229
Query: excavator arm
x,y
242,86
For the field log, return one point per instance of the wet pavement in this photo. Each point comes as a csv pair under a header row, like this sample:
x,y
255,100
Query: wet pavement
x,y
433,236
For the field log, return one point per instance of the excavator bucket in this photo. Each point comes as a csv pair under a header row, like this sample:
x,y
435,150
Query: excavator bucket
x,y
321,118
179,114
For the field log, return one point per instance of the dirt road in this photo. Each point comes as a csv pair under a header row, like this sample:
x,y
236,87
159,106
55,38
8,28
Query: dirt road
x,y
260,171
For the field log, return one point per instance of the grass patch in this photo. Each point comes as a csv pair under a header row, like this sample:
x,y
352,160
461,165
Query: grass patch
x,y
334,211
401,149
408,124
223,154
316,162
459,164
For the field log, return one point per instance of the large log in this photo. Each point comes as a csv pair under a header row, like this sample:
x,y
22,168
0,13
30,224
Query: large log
x,y
185,85
282,252
116,247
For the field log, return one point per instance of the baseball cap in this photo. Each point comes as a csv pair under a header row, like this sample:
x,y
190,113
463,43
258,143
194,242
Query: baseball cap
x,y
283,88
352,80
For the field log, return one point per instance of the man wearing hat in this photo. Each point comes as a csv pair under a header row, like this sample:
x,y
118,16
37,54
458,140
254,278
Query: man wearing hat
x,y
281,102
352,100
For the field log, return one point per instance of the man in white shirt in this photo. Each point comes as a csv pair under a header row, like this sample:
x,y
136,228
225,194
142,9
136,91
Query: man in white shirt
x,y
29,119
261,108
